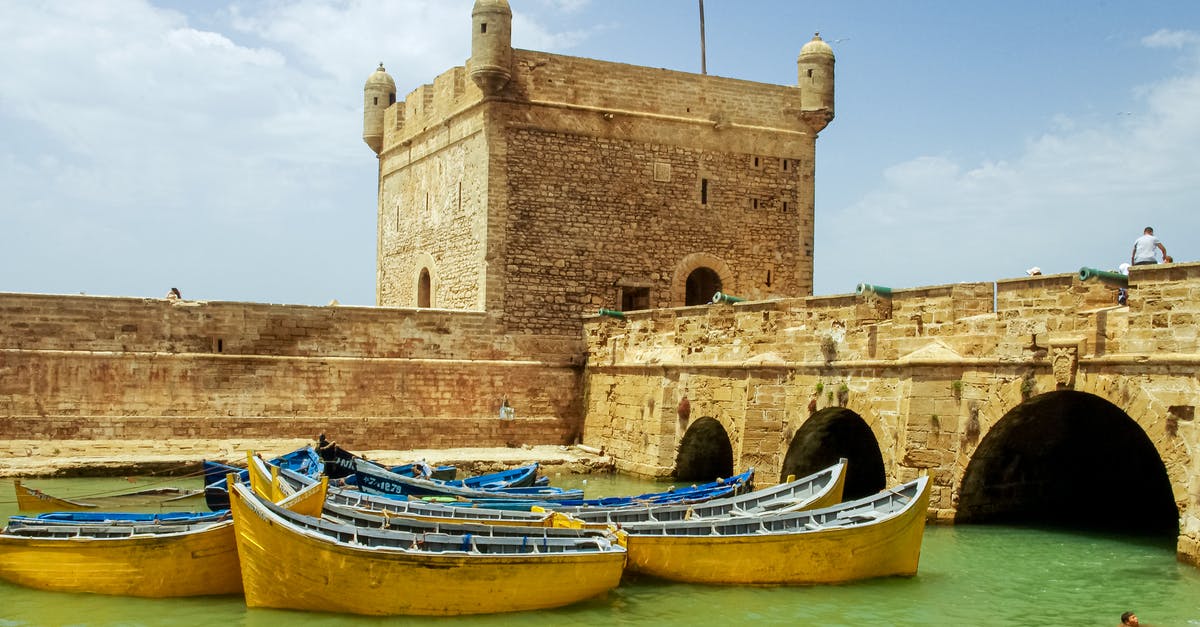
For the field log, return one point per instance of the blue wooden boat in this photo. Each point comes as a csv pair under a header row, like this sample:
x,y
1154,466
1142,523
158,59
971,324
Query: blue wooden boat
x,y
216,493
372,479
117,518
520,477
721,488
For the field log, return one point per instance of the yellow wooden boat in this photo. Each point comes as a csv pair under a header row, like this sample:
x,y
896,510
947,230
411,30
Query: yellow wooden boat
x,y
143,560
129,560
871,537
820,489
32,500
305,563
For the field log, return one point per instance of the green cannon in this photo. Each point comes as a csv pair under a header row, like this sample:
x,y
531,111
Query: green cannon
x,y
612,313
725,298
1115,279
878,290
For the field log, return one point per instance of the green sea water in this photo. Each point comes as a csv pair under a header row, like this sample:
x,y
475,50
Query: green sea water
x,y
969,575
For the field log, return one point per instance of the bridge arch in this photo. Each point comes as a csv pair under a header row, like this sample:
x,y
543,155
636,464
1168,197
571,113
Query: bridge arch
x,y
705,452
833,433
1072,459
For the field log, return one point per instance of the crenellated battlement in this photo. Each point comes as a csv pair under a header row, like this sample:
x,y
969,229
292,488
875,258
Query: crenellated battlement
x,y
429,105
605,87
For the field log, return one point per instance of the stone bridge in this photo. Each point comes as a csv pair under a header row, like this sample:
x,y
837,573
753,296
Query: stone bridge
x,y
1026,400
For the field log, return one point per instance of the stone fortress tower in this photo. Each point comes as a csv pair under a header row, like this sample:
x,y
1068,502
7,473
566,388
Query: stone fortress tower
x,y
540,187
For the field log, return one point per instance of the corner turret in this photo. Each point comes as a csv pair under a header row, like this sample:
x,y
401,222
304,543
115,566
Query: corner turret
x,y
815,70
378,94
491,45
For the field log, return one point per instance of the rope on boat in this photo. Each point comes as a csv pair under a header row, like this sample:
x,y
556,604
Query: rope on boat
x,y
165,480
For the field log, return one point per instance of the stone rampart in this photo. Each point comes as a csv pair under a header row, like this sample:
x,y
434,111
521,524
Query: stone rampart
x,y
930,371
81,367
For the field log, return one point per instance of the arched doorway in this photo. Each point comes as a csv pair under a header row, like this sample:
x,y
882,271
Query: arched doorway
x,y
424,298
702,283
705,452
829,435
1069,459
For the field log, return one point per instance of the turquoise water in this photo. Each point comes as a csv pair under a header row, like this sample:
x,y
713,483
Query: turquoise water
x,y
969,575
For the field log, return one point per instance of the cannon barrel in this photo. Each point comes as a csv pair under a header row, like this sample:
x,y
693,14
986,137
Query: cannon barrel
x,y
880,290
725,298
1115,279
612,313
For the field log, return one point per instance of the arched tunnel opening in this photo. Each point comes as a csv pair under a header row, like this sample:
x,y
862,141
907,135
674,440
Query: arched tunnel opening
x,y
829,435
705,453
1069,459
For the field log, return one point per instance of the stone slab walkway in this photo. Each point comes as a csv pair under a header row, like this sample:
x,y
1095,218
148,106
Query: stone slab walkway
x,y
63,458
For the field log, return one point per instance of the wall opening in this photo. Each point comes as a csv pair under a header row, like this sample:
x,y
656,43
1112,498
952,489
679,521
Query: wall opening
x,y
829,435
704,191
424,297
635,298
705,453
1069,459
702,283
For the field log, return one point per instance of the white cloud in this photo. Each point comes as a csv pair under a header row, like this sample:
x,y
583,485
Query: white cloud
x,y
1165,38
1076,195
220,141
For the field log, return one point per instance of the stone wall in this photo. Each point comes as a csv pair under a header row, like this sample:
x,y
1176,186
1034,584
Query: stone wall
x,y
97,367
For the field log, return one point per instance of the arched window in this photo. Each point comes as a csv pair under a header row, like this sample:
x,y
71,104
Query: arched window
x,y
702,283
423,289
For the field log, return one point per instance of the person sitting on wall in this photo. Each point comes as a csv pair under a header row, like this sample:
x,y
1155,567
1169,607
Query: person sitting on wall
x,y
1144,249
174,294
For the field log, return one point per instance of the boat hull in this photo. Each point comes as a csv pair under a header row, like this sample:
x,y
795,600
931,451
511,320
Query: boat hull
x,y
177,565
888,547
290,569
32,500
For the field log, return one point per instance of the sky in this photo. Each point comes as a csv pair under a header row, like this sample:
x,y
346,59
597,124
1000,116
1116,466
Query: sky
x,y
216,146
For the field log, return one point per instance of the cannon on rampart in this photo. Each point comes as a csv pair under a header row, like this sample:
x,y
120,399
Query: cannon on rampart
x,y
1115,279
725,298
878,290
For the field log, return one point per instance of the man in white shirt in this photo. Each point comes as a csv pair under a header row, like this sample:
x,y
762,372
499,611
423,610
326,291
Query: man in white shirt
x,y
1143,249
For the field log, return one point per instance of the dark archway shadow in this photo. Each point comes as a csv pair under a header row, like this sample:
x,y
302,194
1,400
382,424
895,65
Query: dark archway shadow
x,y
702,283
1069,459
829,435
705,454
